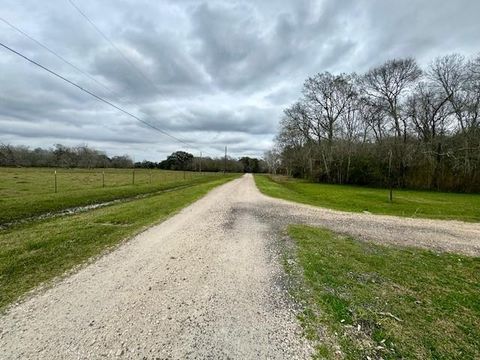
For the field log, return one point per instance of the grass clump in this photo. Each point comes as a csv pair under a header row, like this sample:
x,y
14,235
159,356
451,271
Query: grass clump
x,y
387,302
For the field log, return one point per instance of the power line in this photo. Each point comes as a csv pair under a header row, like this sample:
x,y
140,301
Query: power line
x,y
62,59
99,98
57,55
105,37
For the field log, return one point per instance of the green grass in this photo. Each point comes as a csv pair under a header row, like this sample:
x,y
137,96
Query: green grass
x,y
36,252
29,192
34,181
387,302
424,204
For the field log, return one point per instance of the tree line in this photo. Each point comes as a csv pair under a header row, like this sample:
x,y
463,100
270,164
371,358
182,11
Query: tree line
x,y
86,157
396,125
60,156
181,160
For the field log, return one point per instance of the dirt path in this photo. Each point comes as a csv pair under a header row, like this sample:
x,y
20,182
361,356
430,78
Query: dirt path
x,y
207,283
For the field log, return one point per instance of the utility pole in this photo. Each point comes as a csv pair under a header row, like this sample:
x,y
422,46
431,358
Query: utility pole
x,y
225,161
133,172
390,182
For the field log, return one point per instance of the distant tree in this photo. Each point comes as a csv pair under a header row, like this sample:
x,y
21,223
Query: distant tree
x,y
179,160
250,165
121,162
145,164
7,157
272,161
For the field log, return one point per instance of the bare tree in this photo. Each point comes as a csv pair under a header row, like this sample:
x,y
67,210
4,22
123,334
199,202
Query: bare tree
x,y
272,159
295,138
372,118
427,109
327,97
472,88
460,80
298,122
388,84
448,74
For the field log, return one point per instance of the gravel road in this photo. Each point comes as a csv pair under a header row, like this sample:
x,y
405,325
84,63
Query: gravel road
x,y
205,284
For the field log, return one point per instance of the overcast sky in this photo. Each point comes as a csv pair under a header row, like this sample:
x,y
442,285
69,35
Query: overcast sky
x,y
219,72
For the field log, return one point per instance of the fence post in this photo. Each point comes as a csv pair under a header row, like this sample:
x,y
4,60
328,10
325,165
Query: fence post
x,y
133,177
390,183
150,176
55,181
103,179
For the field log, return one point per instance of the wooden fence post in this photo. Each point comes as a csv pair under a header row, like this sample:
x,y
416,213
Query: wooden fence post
x,y
390,182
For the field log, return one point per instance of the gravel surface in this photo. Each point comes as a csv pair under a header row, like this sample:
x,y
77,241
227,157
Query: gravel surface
x,y
205,284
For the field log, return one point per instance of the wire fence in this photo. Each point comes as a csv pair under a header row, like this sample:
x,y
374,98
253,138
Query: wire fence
x,y
30,181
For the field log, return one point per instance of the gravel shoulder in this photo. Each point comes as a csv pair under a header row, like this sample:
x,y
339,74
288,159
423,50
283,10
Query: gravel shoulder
x,y
206,283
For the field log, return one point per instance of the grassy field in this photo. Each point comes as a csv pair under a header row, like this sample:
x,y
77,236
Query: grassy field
x,y
409,203
28,192
37,251
385,302
16,182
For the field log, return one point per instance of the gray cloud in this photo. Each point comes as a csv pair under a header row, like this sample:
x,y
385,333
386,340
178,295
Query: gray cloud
x,y
222,70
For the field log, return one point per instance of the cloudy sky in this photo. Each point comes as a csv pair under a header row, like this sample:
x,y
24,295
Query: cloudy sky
x,y
212,73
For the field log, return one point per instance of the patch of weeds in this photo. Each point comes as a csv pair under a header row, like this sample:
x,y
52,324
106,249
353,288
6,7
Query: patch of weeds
x,y
324,344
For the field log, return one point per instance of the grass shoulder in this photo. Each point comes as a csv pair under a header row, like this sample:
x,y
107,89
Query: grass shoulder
x,y
16,208
36,252
386,302
408,203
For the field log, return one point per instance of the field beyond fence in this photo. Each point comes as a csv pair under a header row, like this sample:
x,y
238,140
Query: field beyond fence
x,y
30,192
30,181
